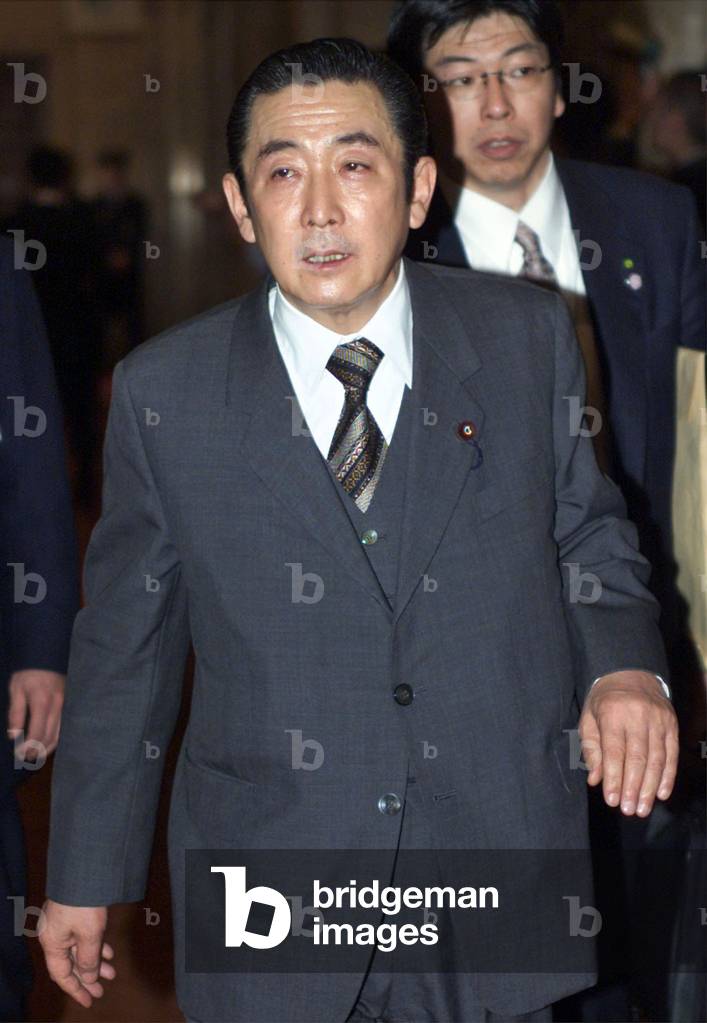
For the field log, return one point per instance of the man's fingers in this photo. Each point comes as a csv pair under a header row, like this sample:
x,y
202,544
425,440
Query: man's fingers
x,y
653,772
75,989
613,751
590,741
53,722
39,709
17,712
672,751
72,941
635,765
88,975
88,958
60,966
94,988
108,971
639,740
36,729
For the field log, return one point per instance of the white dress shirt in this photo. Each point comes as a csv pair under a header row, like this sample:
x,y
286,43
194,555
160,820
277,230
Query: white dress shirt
x,y
487,229
306,345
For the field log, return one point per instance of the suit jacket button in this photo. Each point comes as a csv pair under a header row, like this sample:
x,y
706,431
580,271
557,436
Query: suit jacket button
x,y
403,694
369,536
466,430
390,804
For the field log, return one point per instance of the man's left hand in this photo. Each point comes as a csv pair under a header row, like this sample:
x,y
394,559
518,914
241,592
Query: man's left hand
x,y
629,736
41,693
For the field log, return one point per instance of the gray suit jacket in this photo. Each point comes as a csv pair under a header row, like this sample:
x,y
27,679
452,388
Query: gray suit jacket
x,y
211,496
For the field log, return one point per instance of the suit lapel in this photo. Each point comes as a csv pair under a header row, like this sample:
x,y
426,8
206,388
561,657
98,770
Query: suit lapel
x,y
439,461
619,310
267,423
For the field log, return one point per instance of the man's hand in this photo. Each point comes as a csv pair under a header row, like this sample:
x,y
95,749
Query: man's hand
x,y
629,736
42,694
72,939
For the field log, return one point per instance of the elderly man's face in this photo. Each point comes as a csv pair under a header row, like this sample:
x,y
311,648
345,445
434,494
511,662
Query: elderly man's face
x,y
326,198
496,142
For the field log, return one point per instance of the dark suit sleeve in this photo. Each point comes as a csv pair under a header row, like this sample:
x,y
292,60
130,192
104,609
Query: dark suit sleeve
x,y
37,530
124,684
611,615
694,278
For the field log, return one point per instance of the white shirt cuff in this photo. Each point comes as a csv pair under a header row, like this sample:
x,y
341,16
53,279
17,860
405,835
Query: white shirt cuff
x,y
666,687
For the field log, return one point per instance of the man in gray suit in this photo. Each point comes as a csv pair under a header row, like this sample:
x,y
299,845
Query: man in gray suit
x,y
435,563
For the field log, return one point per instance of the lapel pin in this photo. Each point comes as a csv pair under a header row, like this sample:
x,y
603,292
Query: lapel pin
x,y
634,281
466,430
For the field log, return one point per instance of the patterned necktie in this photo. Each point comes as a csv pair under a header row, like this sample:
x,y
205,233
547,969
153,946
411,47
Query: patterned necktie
x,y
358,448
535,266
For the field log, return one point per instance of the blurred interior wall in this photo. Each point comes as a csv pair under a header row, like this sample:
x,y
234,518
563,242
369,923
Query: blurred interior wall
x,y
161,86
681,26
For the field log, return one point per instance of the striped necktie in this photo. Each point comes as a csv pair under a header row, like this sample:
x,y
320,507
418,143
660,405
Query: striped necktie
x,y
535,266
358,448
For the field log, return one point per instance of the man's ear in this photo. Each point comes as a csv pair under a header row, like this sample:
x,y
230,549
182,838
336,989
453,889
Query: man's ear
x,y
559,107
425,176
238,208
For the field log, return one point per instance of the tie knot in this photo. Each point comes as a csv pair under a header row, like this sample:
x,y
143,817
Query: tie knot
x,y
354,364
528,240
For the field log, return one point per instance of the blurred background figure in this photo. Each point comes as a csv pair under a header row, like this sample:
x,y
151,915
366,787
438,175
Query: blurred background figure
x,y
678,132
121,231
39,597
64,273
631,82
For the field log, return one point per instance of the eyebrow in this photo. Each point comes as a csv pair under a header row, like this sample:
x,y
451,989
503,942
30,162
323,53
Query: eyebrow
x,y
352,138
520,48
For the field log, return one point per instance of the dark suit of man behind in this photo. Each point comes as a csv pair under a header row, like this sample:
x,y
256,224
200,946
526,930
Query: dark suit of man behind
x,y
641,314
37,538
219,511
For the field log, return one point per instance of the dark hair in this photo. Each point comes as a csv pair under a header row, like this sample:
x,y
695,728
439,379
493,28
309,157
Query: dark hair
x,y
344,60
49,168
416,25
684,92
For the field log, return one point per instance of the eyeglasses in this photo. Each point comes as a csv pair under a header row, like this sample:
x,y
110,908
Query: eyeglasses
x,y
520,78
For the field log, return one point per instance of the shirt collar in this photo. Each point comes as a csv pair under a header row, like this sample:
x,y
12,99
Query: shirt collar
x,y
488,227
310,344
